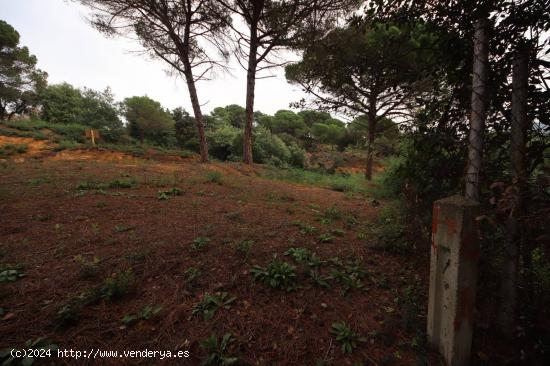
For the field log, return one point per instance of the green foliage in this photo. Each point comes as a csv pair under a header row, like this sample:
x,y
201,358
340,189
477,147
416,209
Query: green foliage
x,y
285,121
190,277
346,337
148,312
209,304
88,268
277,274
66,105
43,347
9,273
305,228
332,213
388,230
326,238
185,129
232,115
116,286
122,183
353,182
222,142
300,255
216,351
350,276
12,149
213,176
165,195
199,243
147,120
243,247
21,80
319,280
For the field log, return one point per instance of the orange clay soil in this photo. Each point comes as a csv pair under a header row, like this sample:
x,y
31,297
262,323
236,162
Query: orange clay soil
x,y
45,223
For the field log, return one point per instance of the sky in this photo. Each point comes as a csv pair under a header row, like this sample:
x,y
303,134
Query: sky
x,y
70,50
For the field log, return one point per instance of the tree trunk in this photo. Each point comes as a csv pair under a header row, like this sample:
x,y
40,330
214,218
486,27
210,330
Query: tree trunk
x,y
509,285
250,86
203,146
370,142
479,109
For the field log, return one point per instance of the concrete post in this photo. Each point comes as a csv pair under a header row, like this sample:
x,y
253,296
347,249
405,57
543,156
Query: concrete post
x,y
453,272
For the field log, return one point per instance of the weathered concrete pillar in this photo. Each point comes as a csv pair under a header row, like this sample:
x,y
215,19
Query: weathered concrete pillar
x,y
453,274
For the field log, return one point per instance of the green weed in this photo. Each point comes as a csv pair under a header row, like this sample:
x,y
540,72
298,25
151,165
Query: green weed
x,y
148,312
346,337
216,351
277,274
209,304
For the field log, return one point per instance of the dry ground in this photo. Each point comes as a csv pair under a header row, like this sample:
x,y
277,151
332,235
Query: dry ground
x,y
52,229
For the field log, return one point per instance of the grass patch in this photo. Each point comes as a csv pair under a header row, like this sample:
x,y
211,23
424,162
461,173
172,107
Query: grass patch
x,y
13,149
337,182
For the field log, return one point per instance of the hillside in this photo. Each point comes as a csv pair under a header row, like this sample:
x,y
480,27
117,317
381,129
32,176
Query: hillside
x,y
121,252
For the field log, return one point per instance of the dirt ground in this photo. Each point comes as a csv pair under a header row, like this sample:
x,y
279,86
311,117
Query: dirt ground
x,y
52,229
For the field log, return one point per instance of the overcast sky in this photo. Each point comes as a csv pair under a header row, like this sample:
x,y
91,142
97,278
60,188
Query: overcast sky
x,y
70,50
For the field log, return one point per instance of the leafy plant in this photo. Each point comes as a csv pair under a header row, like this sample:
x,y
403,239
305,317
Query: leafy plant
x,y
10,273
199,243
39,344
214,177
217,351
88,268
209,304
122,228
164,195
244,246
117,285
146,313
190,276
318,279
305,228
12,149
277,274
326,238
350,277
122,183
346,337
299,254
332,213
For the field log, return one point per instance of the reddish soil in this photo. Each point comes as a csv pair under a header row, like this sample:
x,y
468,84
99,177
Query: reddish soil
x,y
45,223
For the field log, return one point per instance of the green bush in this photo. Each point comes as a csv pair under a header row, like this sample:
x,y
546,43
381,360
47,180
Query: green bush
x,y
269,148
222,142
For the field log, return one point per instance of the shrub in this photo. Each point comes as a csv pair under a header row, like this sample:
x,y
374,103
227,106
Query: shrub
x,y
222,142
269,148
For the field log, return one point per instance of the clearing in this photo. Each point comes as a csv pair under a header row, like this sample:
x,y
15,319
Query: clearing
x,y
118,252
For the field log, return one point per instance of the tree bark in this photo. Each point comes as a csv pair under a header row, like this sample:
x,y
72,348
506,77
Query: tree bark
x,y
479,109
250,87
370,141
199,119
510,272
